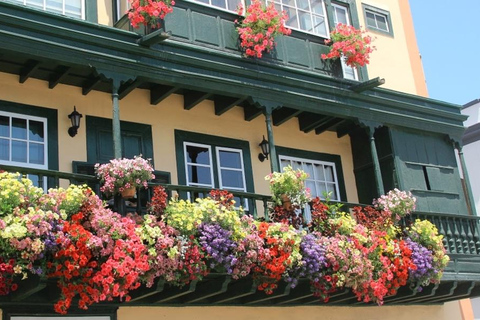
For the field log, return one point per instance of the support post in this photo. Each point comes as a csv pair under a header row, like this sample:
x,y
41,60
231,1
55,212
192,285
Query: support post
x,y
370,126
267,111
466,180
117,135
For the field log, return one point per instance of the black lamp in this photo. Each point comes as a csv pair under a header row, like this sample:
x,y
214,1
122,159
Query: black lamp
x,y
75,119
265,150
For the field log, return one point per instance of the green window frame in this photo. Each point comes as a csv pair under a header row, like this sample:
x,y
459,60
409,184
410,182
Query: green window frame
x,y
377,20
213,144
50,115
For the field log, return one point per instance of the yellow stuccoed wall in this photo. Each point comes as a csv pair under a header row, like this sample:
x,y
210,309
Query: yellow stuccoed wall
x,y
164,119
397,58
449,311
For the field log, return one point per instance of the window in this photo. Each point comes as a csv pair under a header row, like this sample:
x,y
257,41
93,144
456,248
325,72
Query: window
x,y
71,8
202,165
229,5
214,162
23,141
340,15
322,178
305,15
121,7
377,20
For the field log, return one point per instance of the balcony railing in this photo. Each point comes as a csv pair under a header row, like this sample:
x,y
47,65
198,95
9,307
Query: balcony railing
x,y
461,277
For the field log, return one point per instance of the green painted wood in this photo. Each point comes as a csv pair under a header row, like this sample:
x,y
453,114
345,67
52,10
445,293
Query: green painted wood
x,y
428,167
284,151
205,29
136,139
91,12
183,63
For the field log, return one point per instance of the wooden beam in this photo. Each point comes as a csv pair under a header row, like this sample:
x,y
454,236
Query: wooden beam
x,y
160,92
30,286
223,104
345,128
209,288
128,87
154,37
144,292
309,121
192,98
175,292
327,125
363,86
30,67
58,76
241,288
89,85
260,297
250,111
284,114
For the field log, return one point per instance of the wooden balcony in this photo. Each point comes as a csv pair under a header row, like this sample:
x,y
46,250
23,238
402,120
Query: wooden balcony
x,y
461,278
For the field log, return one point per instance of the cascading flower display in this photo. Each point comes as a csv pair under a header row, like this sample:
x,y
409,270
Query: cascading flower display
x,y
95,255
348,43
149,12
289,183
259,27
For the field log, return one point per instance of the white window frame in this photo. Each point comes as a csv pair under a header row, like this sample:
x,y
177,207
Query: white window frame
x,y
195,184
219,167
27,140
342,60
44,7
126,6
377,14
210,5
316,162
312,14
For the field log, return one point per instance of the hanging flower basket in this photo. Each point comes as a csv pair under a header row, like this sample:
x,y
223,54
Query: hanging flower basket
x,y
150,13
349,44
128,193
259,28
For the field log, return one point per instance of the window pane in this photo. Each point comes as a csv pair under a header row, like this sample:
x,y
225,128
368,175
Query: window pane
x,y
233,4
36,154
319,25
219,3
317,7
74,8
371,19
321,189
229,159
305,21
290,3
19,128
35,3
329,174
55,6
303,4
232,179
332,191
292,18
340,15
36,131
285,163
308,168
19,151
4,126
4,149
313,190
197,174
198,155
382,23
319,173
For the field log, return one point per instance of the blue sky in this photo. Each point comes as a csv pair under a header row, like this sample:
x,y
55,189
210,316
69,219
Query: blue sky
x,y
448,37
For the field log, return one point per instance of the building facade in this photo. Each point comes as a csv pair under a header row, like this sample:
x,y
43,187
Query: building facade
x,y
187,98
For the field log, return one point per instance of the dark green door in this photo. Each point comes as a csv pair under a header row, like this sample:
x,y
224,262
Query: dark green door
x,y
136,140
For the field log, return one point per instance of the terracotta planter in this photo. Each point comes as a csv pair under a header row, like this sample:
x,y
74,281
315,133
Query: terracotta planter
x,y
128,193
286,202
